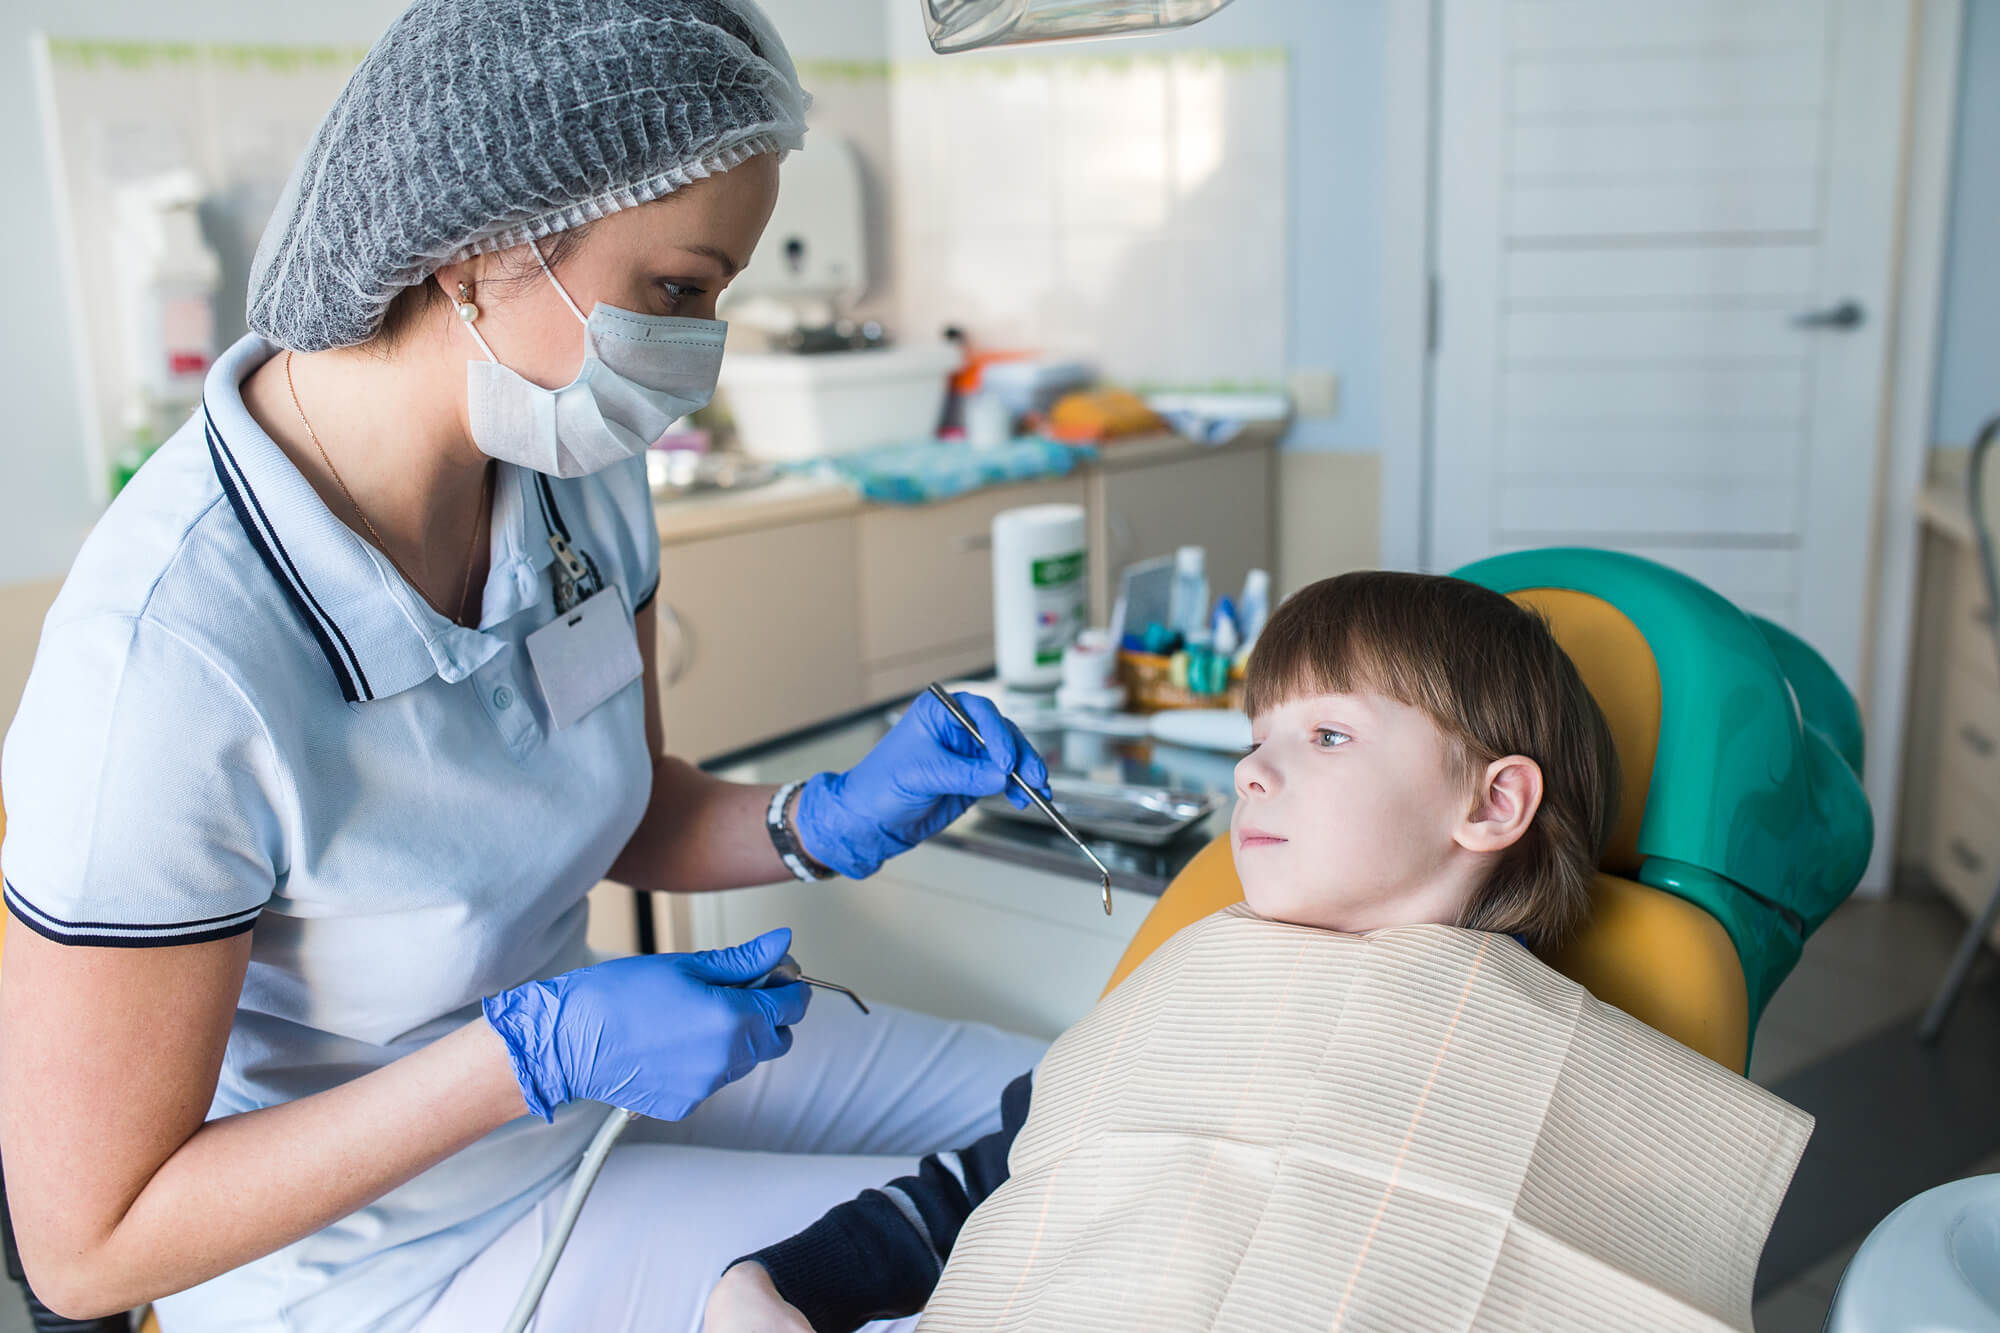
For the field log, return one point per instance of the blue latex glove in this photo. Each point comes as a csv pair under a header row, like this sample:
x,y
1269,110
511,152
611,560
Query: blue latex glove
x,y
916,780
654,1034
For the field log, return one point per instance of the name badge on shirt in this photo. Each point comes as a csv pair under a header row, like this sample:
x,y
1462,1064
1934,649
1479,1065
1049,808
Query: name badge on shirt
x,y
585,655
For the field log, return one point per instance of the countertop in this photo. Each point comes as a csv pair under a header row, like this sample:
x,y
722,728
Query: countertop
x,y
1141,869
1943,502
799,499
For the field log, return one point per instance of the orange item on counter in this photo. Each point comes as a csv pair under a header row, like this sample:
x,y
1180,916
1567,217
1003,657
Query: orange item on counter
x,y
965,380
1096,415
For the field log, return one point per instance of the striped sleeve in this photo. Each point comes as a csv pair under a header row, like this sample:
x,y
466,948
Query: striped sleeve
x,y
141,793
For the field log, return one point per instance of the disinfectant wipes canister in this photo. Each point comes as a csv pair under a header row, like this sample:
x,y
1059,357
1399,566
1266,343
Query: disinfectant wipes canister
x,y
1040,591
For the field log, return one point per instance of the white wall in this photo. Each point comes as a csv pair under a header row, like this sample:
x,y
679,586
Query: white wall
x,y
45,497
45,494
1968,388
1337,50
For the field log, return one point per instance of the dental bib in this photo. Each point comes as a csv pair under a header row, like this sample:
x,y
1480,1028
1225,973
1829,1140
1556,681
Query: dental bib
x,y
1269,1126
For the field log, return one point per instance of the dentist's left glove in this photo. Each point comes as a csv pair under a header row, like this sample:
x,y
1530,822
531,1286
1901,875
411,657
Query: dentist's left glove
x,y
916,780
656,1034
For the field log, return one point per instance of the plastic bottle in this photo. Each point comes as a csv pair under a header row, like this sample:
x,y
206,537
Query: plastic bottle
x,y
1040,591
1253,608
1189,605
170,277
1223,629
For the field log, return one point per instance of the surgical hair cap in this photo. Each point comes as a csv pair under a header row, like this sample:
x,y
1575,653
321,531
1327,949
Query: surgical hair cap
x,y
477,125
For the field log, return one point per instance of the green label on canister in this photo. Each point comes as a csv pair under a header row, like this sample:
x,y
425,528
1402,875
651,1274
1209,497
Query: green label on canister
x,y
1059,608
1057,570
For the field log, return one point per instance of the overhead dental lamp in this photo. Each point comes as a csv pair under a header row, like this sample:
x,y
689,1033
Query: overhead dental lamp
x,y
967,25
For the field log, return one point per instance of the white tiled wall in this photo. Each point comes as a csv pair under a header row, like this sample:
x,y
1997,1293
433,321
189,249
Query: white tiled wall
x,y
851,100
237,116
1127,210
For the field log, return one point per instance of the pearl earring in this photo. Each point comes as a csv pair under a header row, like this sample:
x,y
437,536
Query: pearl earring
x,y
467,311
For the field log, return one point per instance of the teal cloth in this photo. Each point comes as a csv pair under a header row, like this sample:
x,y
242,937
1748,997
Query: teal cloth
x,y
920,473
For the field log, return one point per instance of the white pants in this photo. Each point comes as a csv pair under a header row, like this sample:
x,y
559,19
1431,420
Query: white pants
x,y
853,1105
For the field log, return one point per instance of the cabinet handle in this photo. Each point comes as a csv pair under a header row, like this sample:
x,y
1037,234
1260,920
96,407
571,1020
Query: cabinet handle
x,y
682,653
972,541
1967,858
1978,741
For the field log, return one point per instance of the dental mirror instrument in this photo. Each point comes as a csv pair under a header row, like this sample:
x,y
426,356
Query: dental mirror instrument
x,y
783,973
943,696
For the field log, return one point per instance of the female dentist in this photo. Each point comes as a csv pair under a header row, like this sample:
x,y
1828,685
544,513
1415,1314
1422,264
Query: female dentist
x,y
348,702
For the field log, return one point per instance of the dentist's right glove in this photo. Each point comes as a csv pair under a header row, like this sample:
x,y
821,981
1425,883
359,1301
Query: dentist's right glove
x,y
656,1034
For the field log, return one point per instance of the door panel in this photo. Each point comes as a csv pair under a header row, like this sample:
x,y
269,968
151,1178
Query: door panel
x,y
1710,334
1697,450
1648,277
1569,148
1661,78
1764,205
1657,393
1582,26
1634,203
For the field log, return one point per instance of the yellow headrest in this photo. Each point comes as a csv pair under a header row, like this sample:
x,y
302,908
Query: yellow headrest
x,y
1618,669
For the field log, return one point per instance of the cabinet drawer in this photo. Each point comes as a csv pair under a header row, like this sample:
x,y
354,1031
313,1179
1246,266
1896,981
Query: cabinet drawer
x,y
910,674
927,573
1969,732
757,635
1968,627
1964,853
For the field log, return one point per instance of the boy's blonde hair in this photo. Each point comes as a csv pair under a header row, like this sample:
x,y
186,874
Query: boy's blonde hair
x,y
1489,673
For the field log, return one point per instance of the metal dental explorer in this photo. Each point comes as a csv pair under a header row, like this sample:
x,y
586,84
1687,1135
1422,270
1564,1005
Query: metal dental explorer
x,y
943,696
786,971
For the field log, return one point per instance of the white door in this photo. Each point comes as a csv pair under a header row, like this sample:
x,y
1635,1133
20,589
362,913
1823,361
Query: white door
x,y
1665,248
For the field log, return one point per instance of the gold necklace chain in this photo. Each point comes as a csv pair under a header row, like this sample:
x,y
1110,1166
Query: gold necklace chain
x,y
485,507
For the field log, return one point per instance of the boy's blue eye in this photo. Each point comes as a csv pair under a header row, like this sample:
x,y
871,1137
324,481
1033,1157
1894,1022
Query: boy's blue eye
x,y
1328,739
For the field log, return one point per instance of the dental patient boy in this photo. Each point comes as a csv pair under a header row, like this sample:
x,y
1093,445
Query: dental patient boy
x,y
1423,752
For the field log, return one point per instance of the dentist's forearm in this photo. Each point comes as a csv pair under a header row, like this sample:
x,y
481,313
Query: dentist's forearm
x,y
699,833
245,1185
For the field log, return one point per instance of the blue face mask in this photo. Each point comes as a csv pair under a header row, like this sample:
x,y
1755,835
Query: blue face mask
x,y
640,374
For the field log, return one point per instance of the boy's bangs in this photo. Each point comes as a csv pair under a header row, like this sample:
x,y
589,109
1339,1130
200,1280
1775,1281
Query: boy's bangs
x,y
1314,655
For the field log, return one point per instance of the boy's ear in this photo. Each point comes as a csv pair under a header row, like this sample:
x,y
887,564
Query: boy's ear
x,y
1504,802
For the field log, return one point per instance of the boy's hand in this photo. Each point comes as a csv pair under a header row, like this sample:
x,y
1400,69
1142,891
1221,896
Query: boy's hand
x,y
744,1301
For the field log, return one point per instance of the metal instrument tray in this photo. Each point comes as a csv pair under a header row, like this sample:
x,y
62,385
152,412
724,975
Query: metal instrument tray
x,y
1151,816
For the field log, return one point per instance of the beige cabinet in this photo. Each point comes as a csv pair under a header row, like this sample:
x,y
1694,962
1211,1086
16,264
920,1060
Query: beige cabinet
x,y
767,627
1950,826
1221,499
927,585
758,635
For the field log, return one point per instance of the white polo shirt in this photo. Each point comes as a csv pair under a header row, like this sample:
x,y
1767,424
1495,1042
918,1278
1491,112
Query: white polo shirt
x,y
241,718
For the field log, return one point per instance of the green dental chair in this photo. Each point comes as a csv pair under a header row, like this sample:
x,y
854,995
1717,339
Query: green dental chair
x,y
1743,824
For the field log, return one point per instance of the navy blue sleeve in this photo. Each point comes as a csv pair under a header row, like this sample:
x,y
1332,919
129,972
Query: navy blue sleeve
x,y
879,1256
